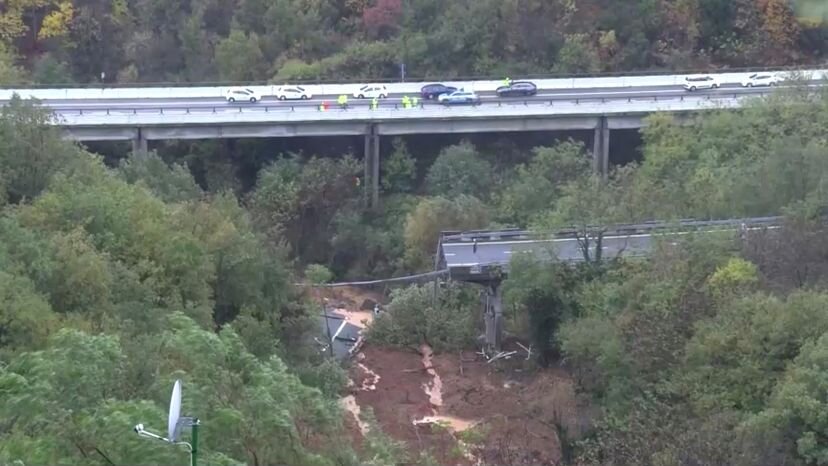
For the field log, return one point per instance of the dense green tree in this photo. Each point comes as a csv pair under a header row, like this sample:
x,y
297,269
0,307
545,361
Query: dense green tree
x,y
736,358
459,170
399,171
239,57
31,150
297,201
169,183
414,317
433,215
537,185
69,401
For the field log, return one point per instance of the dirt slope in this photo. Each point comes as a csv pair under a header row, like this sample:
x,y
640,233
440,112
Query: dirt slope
x,y
460,408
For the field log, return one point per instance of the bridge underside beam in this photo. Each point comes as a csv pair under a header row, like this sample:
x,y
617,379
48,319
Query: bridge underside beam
x,y
100,134
390,128
214,132
255,131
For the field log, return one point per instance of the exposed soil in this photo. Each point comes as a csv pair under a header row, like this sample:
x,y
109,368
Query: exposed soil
x,y
460,408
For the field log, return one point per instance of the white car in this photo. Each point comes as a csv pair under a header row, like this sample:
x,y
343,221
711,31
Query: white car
x,y
760,79
242,94
293,93
371,91
700,82
459,97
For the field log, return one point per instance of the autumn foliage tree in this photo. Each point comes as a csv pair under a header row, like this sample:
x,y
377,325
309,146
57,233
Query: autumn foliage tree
x,y
382,19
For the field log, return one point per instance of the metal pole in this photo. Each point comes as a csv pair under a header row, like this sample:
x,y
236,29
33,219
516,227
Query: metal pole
x,y
328,328
194,450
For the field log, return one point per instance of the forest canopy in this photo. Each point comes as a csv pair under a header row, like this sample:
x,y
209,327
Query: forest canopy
x,y
62,41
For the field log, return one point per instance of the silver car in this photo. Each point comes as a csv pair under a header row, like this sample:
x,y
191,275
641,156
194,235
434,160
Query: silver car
x,y
459,97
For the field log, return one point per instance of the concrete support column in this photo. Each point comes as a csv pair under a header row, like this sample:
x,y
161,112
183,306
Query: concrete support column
x,y
371,160
493,316
375,177
139,143
600,147
367,171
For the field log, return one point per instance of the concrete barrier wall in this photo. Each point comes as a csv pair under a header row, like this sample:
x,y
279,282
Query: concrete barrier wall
x,y
139,93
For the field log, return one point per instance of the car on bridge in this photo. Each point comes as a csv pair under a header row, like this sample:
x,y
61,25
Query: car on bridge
x,y
293,93
760,79
242,94
371,91
434,91
517,89
700,82
459,97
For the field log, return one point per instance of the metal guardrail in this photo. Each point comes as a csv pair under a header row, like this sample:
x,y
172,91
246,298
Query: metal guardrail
x,y
423,78
614,230
187,109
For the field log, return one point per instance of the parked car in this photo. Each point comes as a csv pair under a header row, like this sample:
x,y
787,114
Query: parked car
x,y
371,91
702,82
242,94
293,93
760,79
433,91
459,97
517,89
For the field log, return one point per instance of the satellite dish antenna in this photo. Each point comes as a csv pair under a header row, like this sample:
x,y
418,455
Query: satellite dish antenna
x,y
175,412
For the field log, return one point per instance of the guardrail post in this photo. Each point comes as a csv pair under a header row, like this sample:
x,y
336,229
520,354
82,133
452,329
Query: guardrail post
x,y
107,111
162,110
81,111
577,101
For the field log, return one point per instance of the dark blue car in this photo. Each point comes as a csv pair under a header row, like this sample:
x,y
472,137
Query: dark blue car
x,y
434,91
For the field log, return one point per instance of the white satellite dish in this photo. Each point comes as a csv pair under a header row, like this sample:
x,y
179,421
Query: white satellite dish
x,y
175,412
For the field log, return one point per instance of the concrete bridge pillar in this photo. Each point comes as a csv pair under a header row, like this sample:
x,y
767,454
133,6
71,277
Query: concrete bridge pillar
x,y
139,143
372,167
600,147
493,315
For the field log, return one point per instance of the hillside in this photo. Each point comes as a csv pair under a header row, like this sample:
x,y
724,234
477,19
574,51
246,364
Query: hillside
x,y
205,261
62,41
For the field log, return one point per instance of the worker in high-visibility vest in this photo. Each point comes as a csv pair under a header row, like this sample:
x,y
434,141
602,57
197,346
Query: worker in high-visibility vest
x,y
343,101
406,101
374,103
507,82
415,101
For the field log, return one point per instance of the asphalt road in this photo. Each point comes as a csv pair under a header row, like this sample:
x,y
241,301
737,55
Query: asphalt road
x,y
270,103
566,249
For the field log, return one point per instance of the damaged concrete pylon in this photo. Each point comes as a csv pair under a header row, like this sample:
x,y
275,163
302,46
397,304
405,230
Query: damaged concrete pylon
x,y
493,315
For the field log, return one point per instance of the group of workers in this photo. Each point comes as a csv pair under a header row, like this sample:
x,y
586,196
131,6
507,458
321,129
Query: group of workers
x,y
407,102
342,101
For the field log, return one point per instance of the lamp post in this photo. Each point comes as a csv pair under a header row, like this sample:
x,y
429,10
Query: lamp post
x,y
174,425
